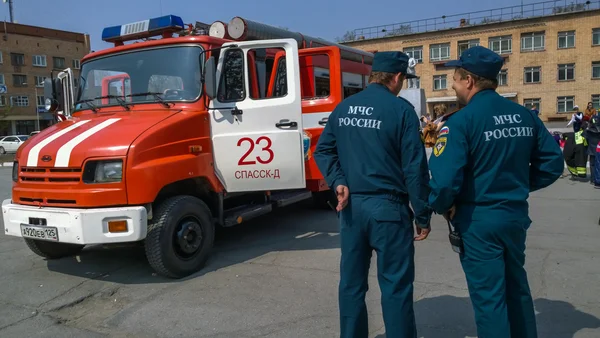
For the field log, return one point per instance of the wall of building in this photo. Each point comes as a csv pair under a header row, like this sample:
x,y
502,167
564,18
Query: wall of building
x,y
27,56
584,55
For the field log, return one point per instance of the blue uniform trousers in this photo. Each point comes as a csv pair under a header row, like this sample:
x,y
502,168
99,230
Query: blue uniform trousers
x,y
380,223
493,262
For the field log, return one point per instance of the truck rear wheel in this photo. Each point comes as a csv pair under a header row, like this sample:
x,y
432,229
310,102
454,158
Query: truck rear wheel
x,y
53,250
180,236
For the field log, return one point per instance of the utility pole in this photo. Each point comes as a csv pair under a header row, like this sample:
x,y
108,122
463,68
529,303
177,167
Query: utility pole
x,y
10,10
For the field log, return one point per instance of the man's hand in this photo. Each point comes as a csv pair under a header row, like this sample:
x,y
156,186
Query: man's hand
x,y
422,233
342,194
449,215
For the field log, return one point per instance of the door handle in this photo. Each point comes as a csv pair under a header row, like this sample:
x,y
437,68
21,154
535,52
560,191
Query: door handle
x,y
286,124
324,121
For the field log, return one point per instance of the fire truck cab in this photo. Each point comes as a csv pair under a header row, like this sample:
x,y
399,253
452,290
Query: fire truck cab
x,y
168,138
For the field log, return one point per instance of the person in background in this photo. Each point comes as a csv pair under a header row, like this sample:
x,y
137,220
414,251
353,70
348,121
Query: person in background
x,y
576,119
535,110
592,136
589,111
575,153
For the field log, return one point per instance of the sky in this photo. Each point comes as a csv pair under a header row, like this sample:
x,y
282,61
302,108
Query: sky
x,y
326,19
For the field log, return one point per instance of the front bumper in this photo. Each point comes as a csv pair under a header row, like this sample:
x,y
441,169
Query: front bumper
x,y
77,226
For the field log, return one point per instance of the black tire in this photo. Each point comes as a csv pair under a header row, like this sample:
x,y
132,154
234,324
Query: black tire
x,y
2,151
167,247
53,250
321,198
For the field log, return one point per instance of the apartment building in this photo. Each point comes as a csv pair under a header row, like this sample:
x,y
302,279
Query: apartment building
x,y
551,52
28,55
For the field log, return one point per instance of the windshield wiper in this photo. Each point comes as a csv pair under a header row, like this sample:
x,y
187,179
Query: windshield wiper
x,y
118,98
156,96
90,104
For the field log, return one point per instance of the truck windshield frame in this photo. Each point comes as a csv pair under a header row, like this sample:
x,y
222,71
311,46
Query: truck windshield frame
x,y
164,73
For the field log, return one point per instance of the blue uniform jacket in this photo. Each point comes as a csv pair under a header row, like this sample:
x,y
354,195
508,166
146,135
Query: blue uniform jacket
x,y
488,157
372,144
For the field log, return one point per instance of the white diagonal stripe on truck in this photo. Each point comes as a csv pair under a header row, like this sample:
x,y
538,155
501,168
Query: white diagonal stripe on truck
x,y
34,153
64,153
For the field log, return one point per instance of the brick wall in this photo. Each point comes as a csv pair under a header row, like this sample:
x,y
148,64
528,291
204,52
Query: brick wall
x,y
582,87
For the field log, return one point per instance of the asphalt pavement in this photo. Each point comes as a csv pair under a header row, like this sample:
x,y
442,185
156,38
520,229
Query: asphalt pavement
x,y
277,277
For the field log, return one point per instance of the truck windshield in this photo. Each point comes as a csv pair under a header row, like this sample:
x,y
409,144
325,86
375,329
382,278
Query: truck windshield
x,y
167,74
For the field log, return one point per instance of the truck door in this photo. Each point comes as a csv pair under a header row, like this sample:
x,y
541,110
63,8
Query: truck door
x,y
257,141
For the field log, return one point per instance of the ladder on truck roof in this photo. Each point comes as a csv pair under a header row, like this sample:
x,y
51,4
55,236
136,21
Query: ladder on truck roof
x,y
240,29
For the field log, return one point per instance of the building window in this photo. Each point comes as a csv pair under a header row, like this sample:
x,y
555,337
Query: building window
x,y
1,61
17,59
76,64
532,75
439,82
415,52
59,62
503,77
532,41
596,70
596,101
19,101
530,103
566,72
564,104
39,61
40,101
596,36
439,52
501,44
19,80
2,101
2,79
566,39
466,44
39,81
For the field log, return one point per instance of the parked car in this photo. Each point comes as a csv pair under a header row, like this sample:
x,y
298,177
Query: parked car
x,y
10,144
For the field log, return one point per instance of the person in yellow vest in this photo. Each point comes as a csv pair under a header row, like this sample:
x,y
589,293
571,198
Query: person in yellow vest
x,y
575,153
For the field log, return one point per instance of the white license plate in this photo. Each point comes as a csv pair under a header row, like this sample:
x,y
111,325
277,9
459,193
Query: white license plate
x,y
37,232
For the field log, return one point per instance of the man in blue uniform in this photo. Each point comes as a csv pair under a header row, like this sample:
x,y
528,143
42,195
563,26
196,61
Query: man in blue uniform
x,y
371,155
487,159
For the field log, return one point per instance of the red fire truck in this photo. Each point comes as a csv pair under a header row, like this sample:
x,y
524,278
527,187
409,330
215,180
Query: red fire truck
x,y
176,133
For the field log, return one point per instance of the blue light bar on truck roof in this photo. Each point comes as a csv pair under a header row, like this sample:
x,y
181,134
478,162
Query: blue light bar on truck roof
x,y
143,29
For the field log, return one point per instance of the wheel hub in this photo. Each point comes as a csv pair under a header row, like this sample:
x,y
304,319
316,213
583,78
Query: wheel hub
x,y
189,237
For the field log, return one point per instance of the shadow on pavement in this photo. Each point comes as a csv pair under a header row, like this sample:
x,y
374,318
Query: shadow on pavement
x,y
452,317
297,227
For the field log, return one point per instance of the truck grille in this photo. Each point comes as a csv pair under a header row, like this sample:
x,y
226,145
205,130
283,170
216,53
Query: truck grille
x,y
56,175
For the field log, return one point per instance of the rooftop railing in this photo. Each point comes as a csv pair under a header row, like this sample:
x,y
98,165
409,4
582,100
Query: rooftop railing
x,y
504,14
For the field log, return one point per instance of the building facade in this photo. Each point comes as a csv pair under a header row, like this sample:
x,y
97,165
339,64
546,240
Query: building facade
x,y
551,61
28,55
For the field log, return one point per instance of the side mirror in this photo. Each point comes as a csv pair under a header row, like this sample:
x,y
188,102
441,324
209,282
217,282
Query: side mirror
x,y
53,94
210,77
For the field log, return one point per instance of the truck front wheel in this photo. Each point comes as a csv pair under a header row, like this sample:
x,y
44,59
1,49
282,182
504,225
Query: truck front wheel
x,y
52,250
180,236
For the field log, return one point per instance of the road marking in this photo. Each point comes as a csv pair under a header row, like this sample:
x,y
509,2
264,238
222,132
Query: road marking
x,y
34,153
64,153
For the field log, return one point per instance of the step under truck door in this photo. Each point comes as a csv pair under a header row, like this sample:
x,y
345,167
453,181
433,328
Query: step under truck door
x,y
257,141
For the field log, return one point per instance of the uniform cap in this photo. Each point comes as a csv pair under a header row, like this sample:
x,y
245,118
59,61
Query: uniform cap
x,y
479,61
391,62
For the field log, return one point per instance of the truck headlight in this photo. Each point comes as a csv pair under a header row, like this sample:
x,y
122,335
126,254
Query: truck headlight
x,y
103,171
